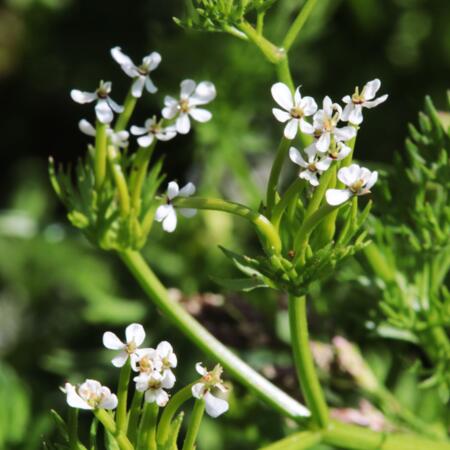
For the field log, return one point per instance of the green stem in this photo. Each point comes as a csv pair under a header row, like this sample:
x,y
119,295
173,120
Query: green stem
x,y
285,201
284,73
304,364
108,422
122,396
183,395
297,441
283,149
260,22
72,428
207,343
128,108
147,428
120,181
135,413
272,53
194,425
271,239
140,166
100,154
298,23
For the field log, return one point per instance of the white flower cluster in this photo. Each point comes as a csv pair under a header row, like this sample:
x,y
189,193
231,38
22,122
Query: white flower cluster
x,y
176,113
154,368
329,141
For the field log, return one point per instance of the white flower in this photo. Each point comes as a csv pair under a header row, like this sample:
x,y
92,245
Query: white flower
x,y
118,139
358,180
210,380
90,395
191,96
151,130
105,104
166,213
358,101
146,360
315,165
135,336
153,384
168,358
140,73
295,109
325,126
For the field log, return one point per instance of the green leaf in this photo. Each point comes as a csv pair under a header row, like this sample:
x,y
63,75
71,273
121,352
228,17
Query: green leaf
x,y
240,284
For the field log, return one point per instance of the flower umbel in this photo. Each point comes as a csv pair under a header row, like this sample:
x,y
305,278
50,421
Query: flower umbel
x,y
105,104
140,73
295,109
152,130
135,336
191,96
90,395
358,180
166,213
358,101
210,380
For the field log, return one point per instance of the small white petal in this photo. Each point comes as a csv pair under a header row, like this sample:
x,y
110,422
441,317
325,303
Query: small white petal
x,y
280,115
111,341
370,89
162,212
327,106
114,106
201,369
336,197
375,102
173,190
135,333
82,97
170,222
109,402
348,175
164,349
296,157
306,127
187,212
187,190
103,112
204,93
291,128
215,406
347,110
324,164
297,97
168,379
200,115
282,95
323,144
149,85
138,131
372,180
161,397
310,177
355,115
187,87
183,124
138,86
198,390
345,133
145,141
86,128
308,105
152,61
120,57
344,151
73,399
120,359
347,99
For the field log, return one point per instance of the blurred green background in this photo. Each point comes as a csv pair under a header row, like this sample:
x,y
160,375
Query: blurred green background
x,y
58,294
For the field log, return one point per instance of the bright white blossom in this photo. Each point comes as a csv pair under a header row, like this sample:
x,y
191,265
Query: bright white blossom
x,y
135,336
118,139
325,126
105,104
191,96
166,213
154,385
314,166
366,99
295,109
210,380
146,360
151,130
141,73
168,358
89,395
358,181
